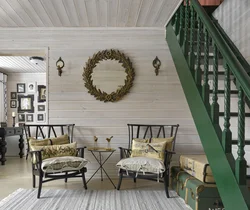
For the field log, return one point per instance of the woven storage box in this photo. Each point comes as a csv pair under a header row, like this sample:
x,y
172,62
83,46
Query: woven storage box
x,y
197,166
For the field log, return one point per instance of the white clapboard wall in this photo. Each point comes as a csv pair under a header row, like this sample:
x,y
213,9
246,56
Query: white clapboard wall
x,y
152,99
13,80
234,17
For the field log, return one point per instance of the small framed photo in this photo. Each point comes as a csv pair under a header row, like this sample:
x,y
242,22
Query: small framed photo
x,y
21,117
40,118
31,88
29,117
12,103
25,103
20,88
13,95
41,93
41,107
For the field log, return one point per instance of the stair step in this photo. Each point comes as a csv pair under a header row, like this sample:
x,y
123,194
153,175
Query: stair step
x,y
222,91
247,142
234,114
219,73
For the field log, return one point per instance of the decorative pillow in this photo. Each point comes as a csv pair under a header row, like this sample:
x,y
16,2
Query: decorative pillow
x,y
64,139
36,142
56,150
151,150
142,164
141,140
66,163
168,140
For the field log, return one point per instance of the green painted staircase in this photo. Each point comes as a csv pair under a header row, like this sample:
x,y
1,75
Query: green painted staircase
x,y
200,50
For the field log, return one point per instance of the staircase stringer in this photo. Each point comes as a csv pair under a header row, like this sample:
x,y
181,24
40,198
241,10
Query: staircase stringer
x,y
233,195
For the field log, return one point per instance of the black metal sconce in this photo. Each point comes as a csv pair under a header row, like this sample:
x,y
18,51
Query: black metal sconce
x,y
156,64
60,65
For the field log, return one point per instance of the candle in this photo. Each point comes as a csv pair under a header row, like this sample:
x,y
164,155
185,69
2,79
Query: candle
x,y
13,114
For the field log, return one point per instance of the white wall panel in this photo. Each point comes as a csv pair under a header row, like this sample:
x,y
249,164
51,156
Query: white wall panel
x,y
152,99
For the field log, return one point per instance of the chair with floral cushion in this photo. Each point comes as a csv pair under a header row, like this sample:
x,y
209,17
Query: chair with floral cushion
x,y
56,156
149,153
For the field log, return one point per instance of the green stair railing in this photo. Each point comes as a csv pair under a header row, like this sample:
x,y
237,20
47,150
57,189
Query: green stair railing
x,y
189,31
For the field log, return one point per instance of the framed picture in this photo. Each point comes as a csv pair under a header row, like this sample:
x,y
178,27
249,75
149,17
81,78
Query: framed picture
x,y
12,103
21,117
40,117
20,88
29,117
41,93
31,88
25,103
13,95
41,108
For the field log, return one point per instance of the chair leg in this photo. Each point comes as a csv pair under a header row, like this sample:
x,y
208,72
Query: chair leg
x,y
34,181
120,181
27,156
166,182
134,177
66,178
40,185
84,180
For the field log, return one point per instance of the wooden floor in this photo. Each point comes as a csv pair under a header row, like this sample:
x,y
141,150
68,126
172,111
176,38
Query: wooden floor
x,y
17,174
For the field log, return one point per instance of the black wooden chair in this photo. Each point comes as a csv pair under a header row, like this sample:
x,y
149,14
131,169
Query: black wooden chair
x,y
50,132
144,131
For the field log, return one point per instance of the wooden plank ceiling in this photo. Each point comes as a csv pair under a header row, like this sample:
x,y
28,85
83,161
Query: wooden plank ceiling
x,y
20,64
86,13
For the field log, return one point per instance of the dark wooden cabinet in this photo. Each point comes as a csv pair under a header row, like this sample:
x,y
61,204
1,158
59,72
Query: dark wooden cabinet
x,y
10,131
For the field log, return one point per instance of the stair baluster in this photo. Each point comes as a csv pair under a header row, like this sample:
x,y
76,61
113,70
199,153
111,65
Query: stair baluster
x,y
240,163
185,42
177,22
227,134
191,53
206,87
198,57
215,105
180,32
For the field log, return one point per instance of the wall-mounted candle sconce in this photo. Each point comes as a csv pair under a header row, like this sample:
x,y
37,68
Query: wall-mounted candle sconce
x,y
60,65
156,64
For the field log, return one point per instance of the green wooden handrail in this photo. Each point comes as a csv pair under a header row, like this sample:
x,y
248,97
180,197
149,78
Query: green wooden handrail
x,y
231,60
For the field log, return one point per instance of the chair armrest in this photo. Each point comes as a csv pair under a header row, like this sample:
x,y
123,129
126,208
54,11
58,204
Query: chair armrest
x,y
170,152
80,151
124,152
38,156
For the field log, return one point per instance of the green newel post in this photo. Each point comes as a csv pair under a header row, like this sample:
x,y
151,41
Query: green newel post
x,y
185,42
191,52
227,134
240,164
198,58
181,32
205,87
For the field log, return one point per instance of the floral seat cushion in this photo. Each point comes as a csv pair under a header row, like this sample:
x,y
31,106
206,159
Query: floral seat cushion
x,y
66,163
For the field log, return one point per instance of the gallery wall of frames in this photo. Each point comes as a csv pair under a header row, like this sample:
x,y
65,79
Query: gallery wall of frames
x,y
27,98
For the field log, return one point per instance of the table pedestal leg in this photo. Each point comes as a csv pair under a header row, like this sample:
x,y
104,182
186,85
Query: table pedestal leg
x,y
3,150
21,146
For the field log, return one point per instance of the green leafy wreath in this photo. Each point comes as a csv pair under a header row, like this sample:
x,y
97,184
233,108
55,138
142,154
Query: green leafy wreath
x,y
105,55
